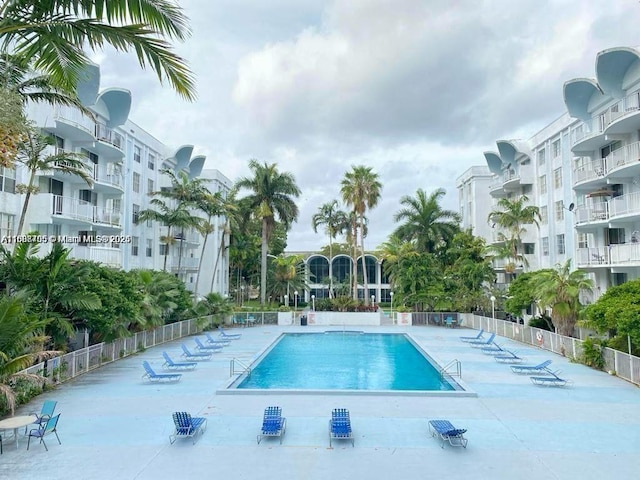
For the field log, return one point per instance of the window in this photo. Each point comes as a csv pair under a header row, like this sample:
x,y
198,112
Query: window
x,y
136,182
136,154
583,240
541,159
543,184
7,180
149,248
544,215
6,224
163,250
560,244
134,246
136,213
149,187
529,248
545,246
93,158
555,147
559,208
557,178
151,163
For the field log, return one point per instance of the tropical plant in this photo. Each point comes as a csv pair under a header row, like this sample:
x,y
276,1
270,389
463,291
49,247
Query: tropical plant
x,y
287,273
425,222
34,154
559,289
13,125
335,222
53,34
271,199
217,306
360,189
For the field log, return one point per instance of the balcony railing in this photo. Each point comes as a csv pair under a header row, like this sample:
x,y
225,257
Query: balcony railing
x,y
186,263
624,156
72,208
628,204
611,255
106,216
590,171
108,175
107,256
592,213
105,134
75,117
592,256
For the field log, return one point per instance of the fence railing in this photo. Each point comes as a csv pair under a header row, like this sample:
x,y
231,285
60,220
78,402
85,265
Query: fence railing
x,y
624,365
72,364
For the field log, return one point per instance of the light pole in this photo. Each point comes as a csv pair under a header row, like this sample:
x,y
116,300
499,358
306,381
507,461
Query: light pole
x,y
373,301
295,303
493,306
313,302
391,305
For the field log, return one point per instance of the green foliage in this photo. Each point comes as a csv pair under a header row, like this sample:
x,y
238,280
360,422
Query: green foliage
x,y
521,293
592,353
543,321
24,389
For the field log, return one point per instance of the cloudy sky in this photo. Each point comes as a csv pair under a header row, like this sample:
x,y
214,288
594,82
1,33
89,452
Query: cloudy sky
x,y
416,89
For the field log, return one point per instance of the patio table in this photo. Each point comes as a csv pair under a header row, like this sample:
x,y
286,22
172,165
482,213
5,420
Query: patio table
x,y
14,423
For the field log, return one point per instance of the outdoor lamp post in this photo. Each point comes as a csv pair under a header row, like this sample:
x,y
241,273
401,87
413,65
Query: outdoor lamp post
x,y
295,301
373,301
493,306
313,302
391,305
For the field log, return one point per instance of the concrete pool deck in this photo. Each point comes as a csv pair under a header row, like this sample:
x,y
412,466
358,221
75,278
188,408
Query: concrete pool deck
x,y
112,425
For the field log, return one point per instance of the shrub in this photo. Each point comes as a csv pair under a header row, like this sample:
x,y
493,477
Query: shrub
x,y
592,353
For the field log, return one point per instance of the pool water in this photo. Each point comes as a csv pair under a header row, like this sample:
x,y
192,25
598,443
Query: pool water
x,y
345,361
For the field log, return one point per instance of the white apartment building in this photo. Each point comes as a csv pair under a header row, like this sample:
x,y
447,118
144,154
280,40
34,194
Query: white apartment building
x,y
582,171
125,163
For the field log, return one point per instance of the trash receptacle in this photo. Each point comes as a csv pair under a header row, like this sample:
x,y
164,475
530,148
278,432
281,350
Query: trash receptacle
x,y
303,320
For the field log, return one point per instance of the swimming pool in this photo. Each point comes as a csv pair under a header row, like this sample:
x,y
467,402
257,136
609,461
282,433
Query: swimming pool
x,y
345,361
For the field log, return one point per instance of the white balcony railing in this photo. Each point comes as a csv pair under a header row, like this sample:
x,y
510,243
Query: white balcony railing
x,y
72,208
590,170
105,255
109,175
624,156
186,263
628,204
73,116
107,216
105,134
592,213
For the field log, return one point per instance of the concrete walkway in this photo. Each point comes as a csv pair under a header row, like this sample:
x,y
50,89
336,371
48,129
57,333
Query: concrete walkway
x,y
112,425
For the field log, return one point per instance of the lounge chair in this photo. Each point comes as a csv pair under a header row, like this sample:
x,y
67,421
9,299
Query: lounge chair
x,y
340,426
216,341
493,349
196,356
208,348
159,377
469,339
508,356
273,424
448,433
552,381
46,412
45,429
229,336
449,322
171,365
540,368
482,342
187,426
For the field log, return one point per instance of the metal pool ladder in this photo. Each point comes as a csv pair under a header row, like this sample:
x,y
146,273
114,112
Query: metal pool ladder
x,y
238,367
449,366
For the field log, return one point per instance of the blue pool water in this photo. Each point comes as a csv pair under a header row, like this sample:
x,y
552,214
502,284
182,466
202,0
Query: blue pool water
x,y
344,361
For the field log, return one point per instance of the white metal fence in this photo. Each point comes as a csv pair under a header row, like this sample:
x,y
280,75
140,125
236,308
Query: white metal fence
x,y
624,365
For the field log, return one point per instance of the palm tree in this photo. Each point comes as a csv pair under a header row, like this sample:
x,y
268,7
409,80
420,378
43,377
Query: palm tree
x,y
560,289
271,200
211,206
288,273
54,33
512,216
360,189
425,222
32,154
335,222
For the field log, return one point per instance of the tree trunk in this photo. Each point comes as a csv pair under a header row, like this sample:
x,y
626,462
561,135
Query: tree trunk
x,y
263,264
220,250
204,245
166,250
330,267
364,263
25,205
180,251
354,274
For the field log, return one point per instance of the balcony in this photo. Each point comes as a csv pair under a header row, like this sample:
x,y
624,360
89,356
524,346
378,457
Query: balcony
x,y
621,255
592,135
192,239
592,257
106,217
496,187
624,206
73,209
624,116
513,180
625,161
109,143
108,178
587,214
187,263
591,174
72,124
111,257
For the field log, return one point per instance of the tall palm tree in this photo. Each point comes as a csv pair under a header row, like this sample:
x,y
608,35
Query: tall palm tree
x,y
271,200
360,189
54,32
230,212
32,153
512,216
425,222
288,274
211,206
335,222
560,289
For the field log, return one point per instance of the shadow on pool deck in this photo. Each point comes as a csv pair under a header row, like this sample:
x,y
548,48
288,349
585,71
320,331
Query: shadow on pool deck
x,y
113,425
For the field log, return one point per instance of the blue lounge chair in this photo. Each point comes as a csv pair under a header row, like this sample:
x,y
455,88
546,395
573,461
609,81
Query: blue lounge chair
x,y
46,412
207,348
229,336
216,341
508,356
469,339
448,433
493,349
482,342
340,426
195,356
273,423
187,426
552,381
171,365
540,368
159,377
47,428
